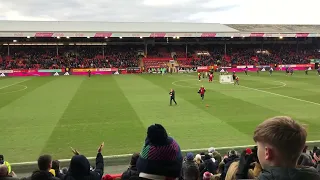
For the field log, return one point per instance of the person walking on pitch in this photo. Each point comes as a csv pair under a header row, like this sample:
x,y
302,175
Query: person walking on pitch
x,y
172,94
236,80
201,91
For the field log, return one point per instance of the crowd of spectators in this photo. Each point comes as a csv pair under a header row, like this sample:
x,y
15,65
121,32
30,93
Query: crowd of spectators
x,y
51,57
280,154
47,57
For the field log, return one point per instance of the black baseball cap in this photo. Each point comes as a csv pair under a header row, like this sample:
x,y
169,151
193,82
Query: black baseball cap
x,y
1,157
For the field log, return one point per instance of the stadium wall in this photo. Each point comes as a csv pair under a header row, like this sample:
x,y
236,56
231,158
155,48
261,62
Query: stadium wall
x,y
114,161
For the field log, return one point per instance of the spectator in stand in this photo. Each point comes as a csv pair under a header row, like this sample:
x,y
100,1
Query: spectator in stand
x,y
79,168
198,159
44,165
190,170
2,161
161,156
316,156
280,142
132,170
232,157
215,154
56,168
209,165
5,175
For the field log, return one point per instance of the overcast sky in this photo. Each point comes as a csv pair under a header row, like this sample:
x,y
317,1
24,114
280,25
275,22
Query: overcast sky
x,y
211,11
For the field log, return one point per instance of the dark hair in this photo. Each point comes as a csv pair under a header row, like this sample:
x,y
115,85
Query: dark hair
x,y
55,165
44,162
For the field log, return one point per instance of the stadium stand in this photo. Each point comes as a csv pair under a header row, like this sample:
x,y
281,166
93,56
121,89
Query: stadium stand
x,y
153,45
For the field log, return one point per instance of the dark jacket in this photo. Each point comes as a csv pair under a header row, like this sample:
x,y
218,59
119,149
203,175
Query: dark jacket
x,y
80,168
130,172
278,173
42,175
208,166
8,178
190,170
228,161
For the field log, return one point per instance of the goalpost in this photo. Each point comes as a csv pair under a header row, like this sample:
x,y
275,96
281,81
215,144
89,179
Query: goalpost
x,y
225,79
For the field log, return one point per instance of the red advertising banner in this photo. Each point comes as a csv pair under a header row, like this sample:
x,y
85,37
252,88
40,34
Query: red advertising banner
x,y
84,70
203,68
304,65
43,34
103,34
22,74
208,34
93,73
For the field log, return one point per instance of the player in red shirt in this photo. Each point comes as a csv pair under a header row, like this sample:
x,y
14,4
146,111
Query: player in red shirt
x,y
201,91
210,77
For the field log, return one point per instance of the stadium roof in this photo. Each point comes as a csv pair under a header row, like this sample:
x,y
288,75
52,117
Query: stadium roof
x,y
150,29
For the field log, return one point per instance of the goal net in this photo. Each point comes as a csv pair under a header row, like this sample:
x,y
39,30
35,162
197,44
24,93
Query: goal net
x,y
225,79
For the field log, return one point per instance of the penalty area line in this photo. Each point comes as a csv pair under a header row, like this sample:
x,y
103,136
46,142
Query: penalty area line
x,y
129,155
280,95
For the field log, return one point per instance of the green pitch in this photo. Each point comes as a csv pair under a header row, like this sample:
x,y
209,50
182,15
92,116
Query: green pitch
x,y
51,114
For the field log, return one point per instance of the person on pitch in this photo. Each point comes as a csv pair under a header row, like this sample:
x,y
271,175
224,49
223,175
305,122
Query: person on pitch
x,y
306,71
236,80
318,71
172,94
201,91
89,73
270,71
199,76
211,77
234,75
246,70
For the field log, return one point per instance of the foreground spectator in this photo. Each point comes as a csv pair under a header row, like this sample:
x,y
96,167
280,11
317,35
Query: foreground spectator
x,y
5,175
132,170
161,156
44,165
190,169
79,168
280,142
2,161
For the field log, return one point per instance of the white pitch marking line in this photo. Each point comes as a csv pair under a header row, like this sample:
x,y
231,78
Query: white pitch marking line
x,y
13,84
129,155
24,88
280,95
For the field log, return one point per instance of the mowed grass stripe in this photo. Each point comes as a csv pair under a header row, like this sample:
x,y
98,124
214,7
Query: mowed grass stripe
x,y
41,106
302,111
309,85
190,125
98,112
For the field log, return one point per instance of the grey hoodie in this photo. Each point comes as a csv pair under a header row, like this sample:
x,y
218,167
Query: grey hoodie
x,y
278,173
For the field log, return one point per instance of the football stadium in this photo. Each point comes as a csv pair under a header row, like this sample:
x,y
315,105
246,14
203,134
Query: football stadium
x,y
69,86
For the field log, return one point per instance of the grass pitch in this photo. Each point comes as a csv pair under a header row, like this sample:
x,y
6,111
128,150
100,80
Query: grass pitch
x,y
49,114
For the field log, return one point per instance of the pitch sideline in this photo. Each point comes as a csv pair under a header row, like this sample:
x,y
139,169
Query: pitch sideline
x,y
129,155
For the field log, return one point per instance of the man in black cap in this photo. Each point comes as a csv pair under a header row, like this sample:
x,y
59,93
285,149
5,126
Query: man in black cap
x,y
172,94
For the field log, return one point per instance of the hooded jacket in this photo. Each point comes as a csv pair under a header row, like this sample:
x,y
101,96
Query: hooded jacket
x,y
80,168
278,173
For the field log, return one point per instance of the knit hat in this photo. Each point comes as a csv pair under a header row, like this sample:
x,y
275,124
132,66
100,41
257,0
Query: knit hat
x,y
207,176
248,151
211,150
189,156
160,155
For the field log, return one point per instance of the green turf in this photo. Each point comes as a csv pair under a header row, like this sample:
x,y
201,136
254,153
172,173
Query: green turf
x,y
49,114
